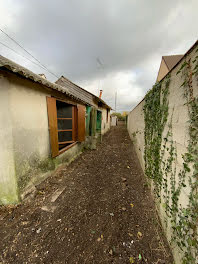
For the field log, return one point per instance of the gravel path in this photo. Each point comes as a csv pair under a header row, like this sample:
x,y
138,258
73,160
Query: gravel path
x,y
96,210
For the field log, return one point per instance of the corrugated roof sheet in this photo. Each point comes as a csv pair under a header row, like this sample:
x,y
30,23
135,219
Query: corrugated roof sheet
x,y
79,91
65,89
75,90
172,60
18,69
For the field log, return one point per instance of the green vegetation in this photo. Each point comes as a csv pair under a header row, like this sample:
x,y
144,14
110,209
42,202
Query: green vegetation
x,y
119,116
155,117
184,220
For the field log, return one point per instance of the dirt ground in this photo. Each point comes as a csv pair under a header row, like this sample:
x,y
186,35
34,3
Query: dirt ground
x,y
96,210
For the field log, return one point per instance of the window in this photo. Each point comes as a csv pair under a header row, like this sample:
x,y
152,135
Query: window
x,y
66,125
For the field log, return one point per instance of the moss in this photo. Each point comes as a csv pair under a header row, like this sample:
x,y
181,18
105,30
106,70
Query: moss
x,y
23,175
27,170
8,195
70,155
34,169
47,165
8,187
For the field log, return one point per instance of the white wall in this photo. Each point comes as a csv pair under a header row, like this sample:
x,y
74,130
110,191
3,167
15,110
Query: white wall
x,y
24,137
114,120
179,112
105,126
28,109
135,125
8,184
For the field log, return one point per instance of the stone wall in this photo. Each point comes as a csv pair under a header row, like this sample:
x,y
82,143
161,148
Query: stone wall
x,y
178,126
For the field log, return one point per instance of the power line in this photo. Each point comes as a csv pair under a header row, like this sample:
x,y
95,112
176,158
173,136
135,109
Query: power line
x,y
27,52
21,55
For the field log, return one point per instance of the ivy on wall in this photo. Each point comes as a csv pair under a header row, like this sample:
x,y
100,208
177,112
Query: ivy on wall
x,y
186,224
161,168
155,118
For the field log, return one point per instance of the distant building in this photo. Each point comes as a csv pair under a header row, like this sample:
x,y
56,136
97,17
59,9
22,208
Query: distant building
x,y
91,100
167,63
114,120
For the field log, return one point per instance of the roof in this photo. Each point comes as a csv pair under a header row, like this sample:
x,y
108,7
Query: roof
x,y
188,51
65,89
79,91
75,89
18,69
171,60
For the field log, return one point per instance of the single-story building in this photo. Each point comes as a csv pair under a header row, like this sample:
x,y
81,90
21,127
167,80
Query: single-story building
x,y
114,120
42,125
103,110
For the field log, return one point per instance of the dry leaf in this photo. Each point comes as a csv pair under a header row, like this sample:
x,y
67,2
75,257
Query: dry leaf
x,y
139,234
123,179
131,259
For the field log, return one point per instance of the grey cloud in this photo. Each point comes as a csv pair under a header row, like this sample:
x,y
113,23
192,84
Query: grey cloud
x,y
68,36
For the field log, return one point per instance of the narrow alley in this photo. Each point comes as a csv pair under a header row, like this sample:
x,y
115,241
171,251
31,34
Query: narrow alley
x,y
96,210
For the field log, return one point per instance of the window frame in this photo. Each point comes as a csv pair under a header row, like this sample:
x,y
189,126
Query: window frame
x,y
71,142
53,125
74,122
78,131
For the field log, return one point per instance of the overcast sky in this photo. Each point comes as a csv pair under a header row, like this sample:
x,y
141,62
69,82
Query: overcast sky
x,y
100,44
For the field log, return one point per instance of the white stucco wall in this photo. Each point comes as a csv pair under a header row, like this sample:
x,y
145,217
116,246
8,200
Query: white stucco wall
x,y
30,121
105,126
28,110
25,155
114,120
8,184
180,117
135,127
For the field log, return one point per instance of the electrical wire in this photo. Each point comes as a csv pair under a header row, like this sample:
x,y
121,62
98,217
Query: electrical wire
x,y
43,66
21,55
